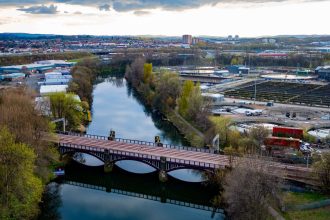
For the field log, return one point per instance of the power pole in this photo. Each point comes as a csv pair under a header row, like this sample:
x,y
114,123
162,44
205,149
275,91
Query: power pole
x,y
255,90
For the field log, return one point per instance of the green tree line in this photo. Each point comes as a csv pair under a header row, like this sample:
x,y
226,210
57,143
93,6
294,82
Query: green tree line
x,y
25,156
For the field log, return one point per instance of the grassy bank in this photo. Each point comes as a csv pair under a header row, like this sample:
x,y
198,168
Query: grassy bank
x,y
315,214
294,198
195,137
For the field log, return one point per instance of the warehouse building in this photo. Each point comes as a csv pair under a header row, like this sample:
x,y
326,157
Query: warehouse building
x,y
323,72
238,69
39,66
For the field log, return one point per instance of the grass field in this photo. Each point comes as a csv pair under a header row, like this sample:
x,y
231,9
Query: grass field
x,y
80,59
293,198
315,214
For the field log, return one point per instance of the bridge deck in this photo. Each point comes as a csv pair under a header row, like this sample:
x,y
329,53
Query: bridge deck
x,y
198,159
215,160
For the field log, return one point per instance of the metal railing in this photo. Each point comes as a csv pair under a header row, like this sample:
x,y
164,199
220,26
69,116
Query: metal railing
x,y
138,142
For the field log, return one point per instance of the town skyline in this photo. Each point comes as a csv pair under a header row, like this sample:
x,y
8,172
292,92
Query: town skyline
x,y
166,18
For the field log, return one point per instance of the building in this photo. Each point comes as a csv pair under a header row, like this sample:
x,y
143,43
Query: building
x,y
215,99
195,40
238,69
12,76
56,63
26,68
48,89
39,66
187,39
323,72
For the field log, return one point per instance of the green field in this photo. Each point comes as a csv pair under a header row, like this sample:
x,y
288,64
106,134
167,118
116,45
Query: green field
x,y
293,198
315,214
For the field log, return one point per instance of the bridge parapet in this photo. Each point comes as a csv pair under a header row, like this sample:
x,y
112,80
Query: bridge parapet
x,y
132,141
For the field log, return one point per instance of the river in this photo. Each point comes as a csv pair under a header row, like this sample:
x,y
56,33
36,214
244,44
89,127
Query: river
x,y
132,190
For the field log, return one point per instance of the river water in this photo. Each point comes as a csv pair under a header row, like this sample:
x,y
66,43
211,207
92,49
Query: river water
x,y
132,190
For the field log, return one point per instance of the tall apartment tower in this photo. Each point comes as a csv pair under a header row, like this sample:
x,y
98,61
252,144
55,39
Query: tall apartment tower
x,y
187,39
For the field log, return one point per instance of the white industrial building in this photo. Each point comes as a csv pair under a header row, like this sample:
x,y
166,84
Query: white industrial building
x,y
216,99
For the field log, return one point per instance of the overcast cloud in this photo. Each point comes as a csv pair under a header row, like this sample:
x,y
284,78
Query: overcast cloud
x,y
135,5
42,9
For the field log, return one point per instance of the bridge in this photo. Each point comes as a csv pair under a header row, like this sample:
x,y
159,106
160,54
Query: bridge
x,y
164,158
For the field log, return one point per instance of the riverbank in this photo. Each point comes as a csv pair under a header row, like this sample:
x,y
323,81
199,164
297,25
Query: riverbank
x,y
194,136
164,92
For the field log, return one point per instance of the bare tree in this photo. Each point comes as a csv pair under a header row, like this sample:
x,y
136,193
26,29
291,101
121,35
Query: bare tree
x,y
250,188
322,169
259,134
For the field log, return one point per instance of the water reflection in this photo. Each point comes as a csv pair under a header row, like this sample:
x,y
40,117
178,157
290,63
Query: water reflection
x,y
188,175
88,193
137,167
51,201
117,106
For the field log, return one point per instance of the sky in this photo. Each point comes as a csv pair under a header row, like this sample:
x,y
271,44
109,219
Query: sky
x,y
246,18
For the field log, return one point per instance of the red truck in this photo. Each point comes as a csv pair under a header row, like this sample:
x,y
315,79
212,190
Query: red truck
x,y
288,132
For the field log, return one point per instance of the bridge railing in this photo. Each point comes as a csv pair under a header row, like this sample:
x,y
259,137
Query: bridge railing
x,y
138,142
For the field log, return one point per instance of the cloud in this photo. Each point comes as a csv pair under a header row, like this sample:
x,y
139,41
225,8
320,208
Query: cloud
x,y
137,5
40,9
105,7
141,13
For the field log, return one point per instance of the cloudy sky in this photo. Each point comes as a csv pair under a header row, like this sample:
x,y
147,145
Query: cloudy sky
x,y
166,17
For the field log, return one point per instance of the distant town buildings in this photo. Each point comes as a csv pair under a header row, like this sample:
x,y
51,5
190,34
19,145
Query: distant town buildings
x,y
187,39
190,40
268,41
195,40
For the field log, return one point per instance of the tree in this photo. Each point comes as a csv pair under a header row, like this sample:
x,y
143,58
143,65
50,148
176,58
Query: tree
x,y
147,73
168,89
67,106
308,137
249,145
236,61
187,89
18,114
193,106
259,134
249,190
134,73
20,189
322,170
82,82
222,127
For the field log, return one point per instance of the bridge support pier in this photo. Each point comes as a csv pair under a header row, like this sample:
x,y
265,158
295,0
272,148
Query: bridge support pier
x,y
108,166
162,172
162,176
